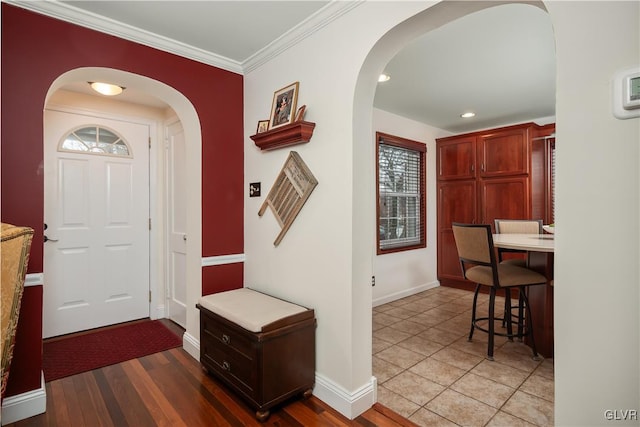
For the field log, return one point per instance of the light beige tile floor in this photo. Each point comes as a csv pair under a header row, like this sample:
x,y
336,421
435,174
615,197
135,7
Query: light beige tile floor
x,y
431,374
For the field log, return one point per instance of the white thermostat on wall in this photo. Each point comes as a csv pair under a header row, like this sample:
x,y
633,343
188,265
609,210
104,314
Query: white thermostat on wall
x,y
626,93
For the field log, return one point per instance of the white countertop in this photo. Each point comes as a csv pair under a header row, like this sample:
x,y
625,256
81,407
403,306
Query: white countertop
x,y
525,242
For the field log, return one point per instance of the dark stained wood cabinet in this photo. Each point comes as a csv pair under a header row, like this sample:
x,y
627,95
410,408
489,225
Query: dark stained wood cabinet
x,y
456,202
456,158
504,152
482,176
267,367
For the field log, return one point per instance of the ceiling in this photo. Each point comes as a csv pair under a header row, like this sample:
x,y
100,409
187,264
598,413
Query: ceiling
x,y
499,62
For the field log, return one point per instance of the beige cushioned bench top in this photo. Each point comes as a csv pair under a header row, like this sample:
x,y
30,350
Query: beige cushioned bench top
x,y
249,309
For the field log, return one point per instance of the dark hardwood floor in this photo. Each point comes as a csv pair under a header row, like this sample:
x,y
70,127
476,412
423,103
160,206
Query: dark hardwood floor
x,y
170,389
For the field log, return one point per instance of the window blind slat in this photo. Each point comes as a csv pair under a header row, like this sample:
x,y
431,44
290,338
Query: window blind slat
x,y
400,195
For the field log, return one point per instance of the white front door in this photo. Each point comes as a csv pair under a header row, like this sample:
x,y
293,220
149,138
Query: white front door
x,y
177,224
96,261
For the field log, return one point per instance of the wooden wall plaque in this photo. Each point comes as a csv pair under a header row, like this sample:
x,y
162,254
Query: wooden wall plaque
x,y
292,188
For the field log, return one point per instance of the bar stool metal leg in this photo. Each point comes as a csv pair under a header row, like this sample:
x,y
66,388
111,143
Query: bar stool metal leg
x,y
529,322
473,312
507,319
492,300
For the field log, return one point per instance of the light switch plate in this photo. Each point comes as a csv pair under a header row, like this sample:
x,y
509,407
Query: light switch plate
x,y
254,189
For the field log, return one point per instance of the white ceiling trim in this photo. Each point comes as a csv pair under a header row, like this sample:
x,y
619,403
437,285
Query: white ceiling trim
x,y
93,21
102,24
304,29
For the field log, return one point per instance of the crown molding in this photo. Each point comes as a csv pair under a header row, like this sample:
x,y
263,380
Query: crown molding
x,y
74,15
304,29
69,13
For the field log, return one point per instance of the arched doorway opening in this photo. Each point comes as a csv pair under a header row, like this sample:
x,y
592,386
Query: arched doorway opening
x,y
363,124
182,111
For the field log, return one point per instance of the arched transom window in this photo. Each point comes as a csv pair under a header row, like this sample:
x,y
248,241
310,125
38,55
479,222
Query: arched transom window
x,y
95,140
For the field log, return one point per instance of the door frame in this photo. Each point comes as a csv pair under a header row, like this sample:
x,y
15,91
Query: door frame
x,y
157,308
166,188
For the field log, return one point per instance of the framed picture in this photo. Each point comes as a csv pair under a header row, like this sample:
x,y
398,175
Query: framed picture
x,y
283,106
300,113
263,126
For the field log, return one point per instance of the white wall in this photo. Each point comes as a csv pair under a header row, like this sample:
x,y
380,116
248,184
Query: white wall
x,y
326,259
597,300
314,264
400,274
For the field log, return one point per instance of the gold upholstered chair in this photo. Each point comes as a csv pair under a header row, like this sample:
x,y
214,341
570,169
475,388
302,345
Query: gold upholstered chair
x,y
480,265
14,256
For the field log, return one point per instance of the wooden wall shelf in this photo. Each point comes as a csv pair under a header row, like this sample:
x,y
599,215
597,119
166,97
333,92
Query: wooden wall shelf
x,y
292,134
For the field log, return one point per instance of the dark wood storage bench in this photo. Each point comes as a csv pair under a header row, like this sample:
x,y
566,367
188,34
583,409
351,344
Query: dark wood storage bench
x,y
260,346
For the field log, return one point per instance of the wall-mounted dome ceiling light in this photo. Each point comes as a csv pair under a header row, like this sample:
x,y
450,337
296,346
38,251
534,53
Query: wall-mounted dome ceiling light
x,y
468,115
384,78
106,88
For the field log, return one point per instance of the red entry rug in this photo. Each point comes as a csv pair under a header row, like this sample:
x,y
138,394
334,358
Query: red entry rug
x,y
85,352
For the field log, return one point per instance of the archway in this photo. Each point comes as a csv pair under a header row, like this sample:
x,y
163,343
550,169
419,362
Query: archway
x,y
187,114
363,134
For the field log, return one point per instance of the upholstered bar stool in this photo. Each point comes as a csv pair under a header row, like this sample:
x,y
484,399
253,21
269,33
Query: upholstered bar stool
x,y
479,264
516,226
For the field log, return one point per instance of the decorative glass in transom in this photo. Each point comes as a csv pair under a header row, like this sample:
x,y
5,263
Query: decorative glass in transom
x,y
95,140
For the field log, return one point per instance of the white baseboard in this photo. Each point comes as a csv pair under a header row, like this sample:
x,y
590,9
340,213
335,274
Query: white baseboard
x,y
34,279
349,404
405,293
159,312
25,405
191,345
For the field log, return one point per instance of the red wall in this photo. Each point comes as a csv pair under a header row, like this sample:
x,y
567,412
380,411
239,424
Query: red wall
x,y
38,49
220,278
24,374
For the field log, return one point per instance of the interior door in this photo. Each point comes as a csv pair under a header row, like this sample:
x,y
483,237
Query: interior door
x,y
177,224
96,258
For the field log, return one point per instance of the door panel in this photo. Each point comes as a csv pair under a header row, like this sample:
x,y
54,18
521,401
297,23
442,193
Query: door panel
x,y
456,203
177,256
456,158
504,153
506,198
96,208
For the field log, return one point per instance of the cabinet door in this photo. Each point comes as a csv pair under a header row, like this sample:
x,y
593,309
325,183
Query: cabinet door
x,y
456,158
456,203
506,198
504,153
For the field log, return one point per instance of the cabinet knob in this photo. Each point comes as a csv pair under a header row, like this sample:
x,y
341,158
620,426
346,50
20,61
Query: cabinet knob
x,y
473,168
226,366
226,339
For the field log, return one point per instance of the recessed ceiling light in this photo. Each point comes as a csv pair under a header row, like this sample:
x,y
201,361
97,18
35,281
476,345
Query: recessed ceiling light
x,y
467,115
384,78
106,88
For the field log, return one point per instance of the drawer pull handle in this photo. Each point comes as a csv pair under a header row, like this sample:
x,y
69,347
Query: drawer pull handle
x,y
226,366
226,339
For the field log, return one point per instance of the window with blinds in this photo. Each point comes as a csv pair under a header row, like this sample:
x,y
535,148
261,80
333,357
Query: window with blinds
x,y
401,216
